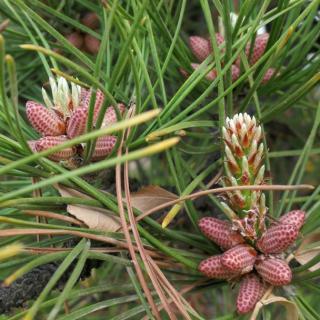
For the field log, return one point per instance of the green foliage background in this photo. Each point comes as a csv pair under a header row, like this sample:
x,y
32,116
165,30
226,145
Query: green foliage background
x,y
143,45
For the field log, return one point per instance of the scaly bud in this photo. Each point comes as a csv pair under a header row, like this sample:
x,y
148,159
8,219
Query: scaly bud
x,y
233,165
245,171
257,134
226,136
65,101
277,238
46,143
275,271
262,205
239,259
258,158
236,146
75,94
253,151
103,148
295,218
245,161
43,120
46,99
260,176
220,232
212,268
250,291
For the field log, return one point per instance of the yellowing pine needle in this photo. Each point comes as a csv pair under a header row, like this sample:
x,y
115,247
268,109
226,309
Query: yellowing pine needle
x,y
171,214
10,250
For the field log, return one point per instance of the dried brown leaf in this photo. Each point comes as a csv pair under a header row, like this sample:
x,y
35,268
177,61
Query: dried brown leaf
x,y
308,250
94,217
150,197
291,308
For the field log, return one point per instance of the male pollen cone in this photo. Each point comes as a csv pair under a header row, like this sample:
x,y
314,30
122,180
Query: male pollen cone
x,y
213,268
295,217
275,271
99,99
259,48
220,232
200,47
104,146
240,258
45,121
278,238
250,292
48,142
77,122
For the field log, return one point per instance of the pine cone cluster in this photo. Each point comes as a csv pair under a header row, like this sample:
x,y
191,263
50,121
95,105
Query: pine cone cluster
x,y
253,254
256,264
201,48
65,117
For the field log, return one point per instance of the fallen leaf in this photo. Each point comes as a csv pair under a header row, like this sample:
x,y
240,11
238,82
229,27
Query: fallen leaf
x,y
291,308
94,217
150,197
308,249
